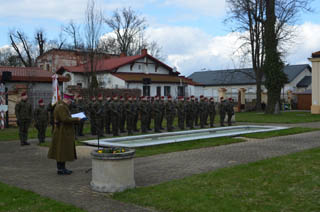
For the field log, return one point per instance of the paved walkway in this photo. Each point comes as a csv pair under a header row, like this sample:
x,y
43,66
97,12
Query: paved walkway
x,y
28,168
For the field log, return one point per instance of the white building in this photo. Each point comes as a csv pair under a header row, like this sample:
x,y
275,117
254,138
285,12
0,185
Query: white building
x,y
233,81
143,72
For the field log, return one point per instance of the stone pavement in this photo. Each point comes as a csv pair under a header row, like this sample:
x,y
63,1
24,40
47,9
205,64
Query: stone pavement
x,y
28,168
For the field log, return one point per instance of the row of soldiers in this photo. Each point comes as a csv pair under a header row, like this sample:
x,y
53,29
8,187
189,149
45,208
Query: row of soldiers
x,y
119,112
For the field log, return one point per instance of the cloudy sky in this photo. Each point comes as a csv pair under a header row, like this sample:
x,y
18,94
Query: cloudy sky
x,y
191,33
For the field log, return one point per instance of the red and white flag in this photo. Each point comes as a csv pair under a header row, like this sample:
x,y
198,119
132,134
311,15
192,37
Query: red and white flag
x,y
55,89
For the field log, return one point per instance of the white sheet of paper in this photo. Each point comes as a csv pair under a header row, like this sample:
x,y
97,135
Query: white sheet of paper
x,y
80,115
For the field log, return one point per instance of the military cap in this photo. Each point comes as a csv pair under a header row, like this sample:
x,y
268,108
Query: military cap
x,y
68,95
23,93
40,101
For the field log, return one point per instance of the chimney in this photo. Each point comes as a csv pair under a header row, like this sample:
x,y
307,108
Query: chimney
x,y
123,54
144,51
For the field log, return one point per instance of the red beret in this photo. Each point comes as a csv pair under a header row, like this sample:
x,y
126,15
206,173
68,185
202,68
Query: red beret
x,y
162,97
68,96
201,96
169,97
230,99
99,95
188,98
40,101
192,96
114,96
120,97
24,94
211,98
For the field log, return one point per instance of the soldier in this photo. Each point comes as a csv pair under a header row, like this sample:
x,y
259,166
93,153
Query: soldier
x,y
99,118
92,115
73,109
144,114
157,114
212,111
188,112
181,109
107,114
170,113
62,147
81,107
230,110
130,114
41,121
50,109
23,111
149,109
122,114
222,111
206,100
115,115
202,111
136,104
196,112
163,110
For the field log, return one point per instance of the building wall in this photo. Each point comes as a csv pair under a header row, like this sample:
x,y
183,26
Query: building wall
x,y
141,67
153,88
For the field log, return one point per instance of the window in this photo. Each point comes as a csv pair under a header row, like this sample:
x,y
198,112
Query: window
x,y
139,67
159,91
146,90
79,84
48,67
167,90
181,91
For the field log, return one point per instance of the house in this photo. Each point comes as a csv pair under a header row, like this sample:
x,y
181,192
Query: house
x,y
143,72
53,59
37,83
231,82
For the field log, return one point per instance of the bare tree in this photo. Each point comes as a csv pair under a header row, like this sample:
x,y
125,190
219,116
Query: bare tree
x,y
22,46
40,40
73,31
127,25
92,30
249,17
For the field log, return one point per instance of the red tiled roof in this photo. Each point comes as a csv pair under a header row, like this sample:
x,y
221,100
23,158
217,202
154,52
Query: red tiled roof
x,y
159,78
316,54
111,65
33,74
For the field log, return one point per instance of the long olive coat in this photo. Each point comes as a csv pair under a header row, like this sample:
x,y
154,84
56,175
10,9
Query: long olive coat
x,y
63,140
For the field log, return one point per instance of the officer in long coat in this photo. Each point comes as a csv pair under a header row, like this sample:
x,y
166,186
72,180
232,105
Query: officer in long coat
x,y
41,119
62,147
23,111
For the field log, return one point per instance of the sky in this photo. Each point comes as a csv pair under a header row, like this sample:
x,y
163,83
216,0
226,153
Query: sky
x,y
192,34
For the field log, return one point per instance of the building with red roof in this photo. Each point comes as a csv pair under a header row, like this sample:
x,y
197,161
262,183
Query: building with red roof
x,y
150,75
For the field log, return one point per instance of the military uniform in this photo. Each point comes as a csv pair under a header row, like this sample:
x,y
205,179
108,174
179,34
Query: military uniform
x,y
107,116
115,116
181,109
163,111
136,104
41,121
23,111
144,116
99,116
81,107
202,111
157,115
222,111
212,112
62,147
170,114
149,113
230,110
130,114
196,113
92,115
50,109
122,110
189,114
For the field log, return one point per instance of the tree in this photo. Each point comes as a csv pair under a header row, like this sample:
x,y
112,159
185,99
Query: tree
x,y
249,17
129,30
22,46
92,30
73,30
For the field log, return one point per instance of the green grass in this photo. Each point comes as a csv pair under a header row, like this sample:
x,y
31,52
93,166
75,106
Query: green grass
x,y
283,117
12,133
183,146
287,183
289,131
14,199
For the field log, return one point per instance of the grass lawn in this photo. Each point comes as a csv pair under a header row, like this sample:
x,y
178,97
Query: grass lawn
x,y
290,131
283,117
14,199
287,183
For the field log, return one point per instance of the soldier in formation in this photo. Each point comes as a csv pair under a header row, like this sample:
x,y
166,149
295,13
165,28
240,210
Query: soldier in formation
x,y
23,112
41,119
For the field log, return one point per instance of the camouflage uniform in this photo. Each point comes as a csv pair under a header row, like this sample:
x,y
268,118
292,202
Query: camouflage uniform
x,y
107,116
170,114
122,116
163,111
23,111
144,116
136,104
130,114
230,111
189,114
99,118
115,116
41,122
92,115
149,109
157,115
222,111
181,109
196,113
212,112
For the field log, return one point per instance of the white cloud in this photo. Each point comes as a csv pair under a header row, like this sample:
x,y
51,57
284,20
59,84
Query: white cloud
x,y
191,49
206,7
